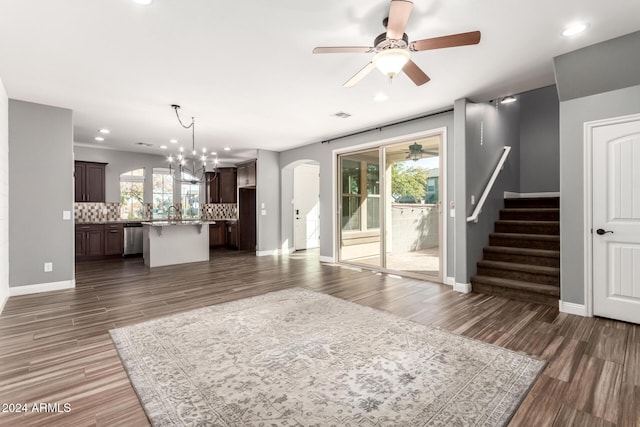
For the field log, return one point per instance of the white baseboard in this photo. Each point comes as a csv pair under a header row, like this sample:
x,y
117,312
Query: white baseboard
x,y
41,287
3,301
572,308
511,195
451,281
465,288
328,259
267,253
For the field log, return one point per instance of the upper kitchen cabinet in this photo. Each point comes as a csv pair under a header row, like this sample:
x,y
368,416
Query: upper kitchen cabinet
x,y
89,181
222,188
247,174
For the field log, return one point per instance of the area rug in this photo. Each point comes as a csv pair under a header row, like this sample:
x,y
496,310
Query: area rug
x,y
301,358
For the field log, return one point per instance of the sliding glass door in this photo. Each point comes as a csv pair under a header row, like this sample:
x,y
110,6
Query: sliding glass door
x,y
360,215
390,216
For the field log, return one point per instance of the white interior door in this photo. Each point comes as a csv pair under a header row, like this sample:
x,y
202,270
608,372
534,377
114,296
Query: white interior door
x,y
306,206
616,221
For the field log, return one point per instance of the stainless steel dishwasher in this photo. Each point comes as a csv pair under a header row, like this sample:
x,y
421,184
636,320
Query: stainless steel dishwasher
x,y
132,238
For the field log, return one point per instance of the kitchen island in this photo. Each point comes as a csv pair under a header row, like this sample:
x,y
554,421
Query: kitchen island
x,y
175,242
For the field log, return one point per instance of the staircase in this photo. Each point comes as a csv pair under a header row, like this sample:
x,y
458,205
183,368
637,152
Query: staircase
x,y
522,260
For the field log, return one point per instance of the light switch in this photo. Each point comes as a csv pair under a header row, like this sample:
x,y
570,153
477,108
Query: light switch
x,y
263,212
66,215
262,206
452,213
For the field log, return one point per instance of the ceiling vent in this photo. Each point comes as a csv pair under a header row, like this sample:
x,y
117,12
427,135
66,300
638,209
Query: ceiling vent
x,y
143,144
342,115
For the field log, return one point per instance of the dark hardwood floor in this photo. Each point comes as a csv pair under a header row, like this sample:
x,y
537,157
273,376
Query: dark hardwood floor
x,y
54,347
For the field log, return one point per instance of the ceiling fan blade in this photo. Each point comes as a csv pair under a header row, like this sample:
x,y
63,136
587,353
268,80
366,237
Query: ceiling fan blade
x,y
359,75
399,12
453,40
344,49
415,73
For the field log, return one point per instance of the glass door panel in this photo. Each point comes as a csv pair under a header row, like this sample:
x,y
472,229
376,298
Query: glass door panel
x,y
412,208
360,217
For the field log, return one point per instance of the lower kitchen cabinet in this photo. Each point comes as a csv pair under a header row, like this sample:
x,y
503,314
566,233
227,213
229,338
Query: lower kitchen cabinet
x,y
113,239
217,234
232,234
89,241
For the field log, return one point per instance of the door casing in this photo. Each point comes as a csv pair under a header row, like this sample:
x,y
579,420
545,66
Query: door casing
x,y
588,203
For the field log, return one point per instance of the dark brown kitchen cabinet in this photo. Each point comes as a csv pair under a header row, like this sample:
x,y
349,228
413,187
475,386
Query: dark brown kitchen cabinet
x,y
232,234
247,174
113,239
89,181
222,186
217,234
89,241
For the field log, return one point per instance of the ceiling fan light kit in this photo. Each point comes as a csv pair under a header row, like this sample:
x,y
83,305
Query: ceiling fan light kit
x,y
393,49
391,61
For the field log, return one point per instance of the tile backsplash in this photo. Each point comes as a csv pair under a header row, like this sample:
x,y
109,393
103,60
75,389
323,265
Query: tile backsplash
x,y
211,211
96,212
101,212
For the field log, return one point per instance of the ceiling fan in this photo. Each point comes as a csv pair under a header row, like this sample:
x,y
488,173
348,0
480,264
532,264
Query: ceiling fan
x,y
416,152
392,49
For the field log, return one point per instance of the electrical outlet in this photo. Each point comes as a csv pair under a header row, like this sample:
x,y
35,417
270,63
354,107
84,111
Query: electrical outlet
x,y
48,267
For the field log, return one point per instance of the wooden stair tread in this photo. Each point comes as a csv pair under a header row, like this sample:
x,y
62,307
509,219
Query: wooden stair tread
x,y
523,251
527,222
518,285
528,268
548,237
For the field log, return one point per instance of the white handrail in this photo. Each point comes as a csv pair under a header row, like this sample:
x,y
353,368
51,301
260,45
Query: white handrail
x,y
487,189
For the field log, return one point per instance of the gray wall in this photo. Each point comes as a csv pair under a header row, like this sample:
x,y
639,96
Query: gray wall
x,y
41,188
4,196
120,162
268,199
488,130
599,68
611,67
323,155
573,115
540,140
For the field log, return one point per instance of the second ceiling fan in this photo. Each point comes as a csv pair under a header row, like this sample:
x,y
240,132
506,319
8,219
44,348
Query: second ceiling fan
x,y
392,49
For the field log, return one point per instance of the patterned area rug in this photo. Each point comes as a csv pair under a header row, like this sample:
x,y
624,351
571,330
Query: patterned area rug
x,y
301,358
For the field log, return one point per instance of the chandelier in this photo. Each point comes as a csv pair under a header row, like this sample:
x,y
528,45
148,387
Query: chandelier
x,y
191,167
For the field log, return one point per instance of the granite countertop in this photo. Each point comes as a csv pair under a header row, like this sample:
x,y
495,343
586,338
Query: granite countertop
x,y
173,223
150,222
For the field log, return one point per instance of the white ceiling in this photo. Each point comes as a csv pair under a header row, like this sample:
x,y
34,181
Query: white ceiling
x,y
245,70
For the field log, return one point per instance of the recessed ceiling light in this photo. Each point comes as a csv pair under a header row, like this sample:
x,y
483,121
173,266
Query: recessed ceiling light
x,y
508,100
173,141
143,2
213,153
227,148
104,131
574,29
380,97
163,147
99,138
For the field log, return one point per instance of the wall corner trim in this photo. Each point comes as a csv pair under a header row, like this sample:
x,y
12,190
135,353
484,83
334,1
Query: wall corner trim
x,y
41,287
464,288
572,308
328,259
451,281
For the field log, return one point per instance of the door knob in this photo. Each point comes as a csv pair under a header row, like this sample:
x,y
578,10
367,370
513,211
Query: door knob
x,y
600,231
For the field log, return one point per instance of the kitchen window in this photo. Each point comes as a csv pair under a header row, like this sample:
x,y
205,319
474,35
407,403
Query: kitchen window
x,y
190,197
132,194
162,193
